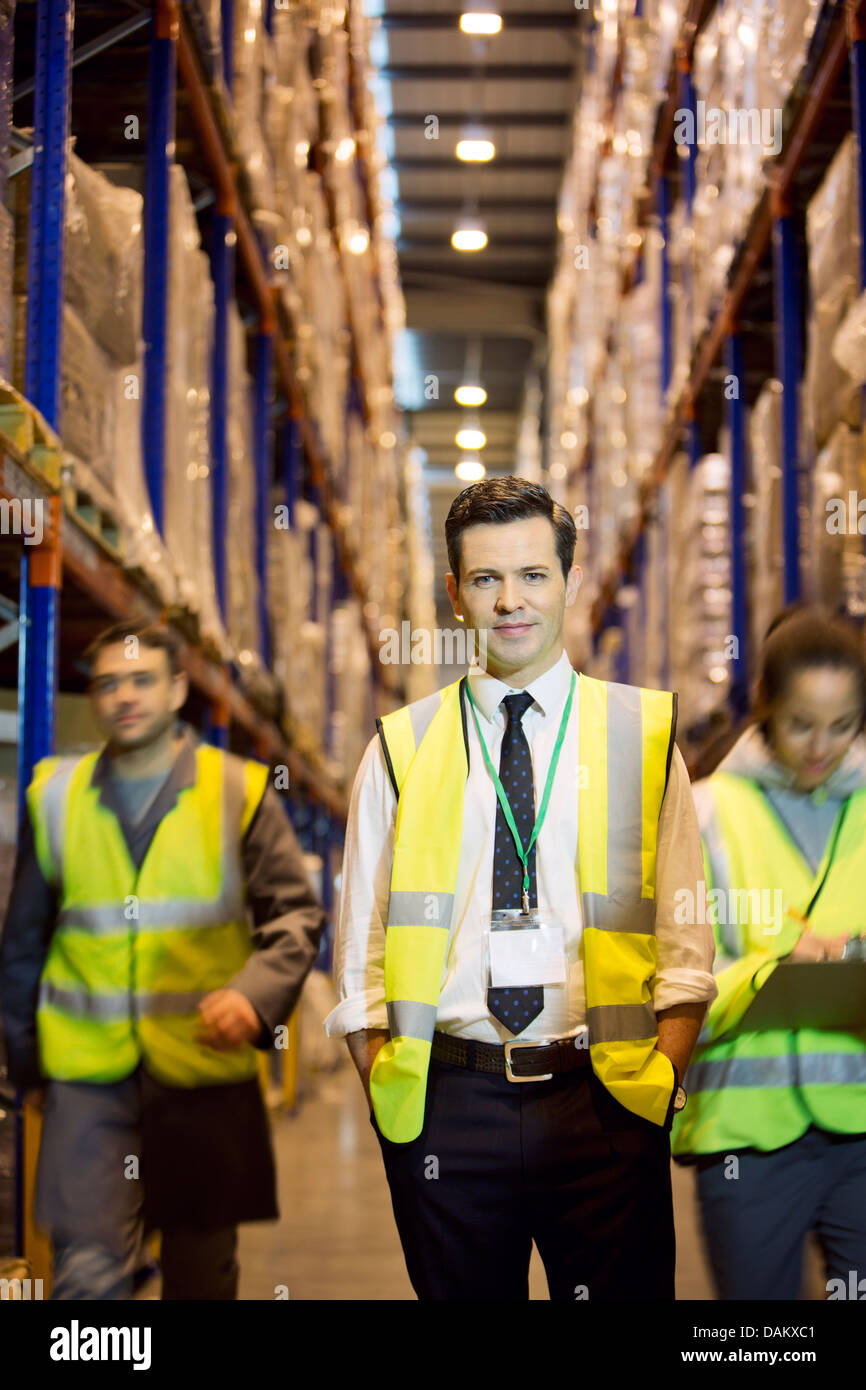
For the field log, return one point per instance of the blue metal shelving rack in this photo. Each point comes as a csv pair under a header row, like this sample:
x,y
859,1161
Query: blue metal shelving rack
x,y
291,444
839,38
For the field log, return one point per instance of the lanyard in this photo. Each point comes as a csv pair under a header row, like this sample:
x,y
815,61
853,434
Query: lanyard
x,y
503,798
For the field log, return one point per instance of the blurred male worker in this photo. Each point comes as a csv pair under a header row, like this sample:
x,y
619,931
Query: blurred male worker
x,y
520,990
132,979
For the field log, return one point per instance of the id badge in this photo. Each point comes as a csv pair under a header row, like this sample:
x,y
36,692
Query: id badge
x,y
525,949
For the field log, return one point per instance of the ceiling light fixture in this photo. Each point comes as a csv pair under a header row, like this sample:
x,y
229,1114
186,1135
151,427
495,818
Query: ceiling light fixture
x,y
470,236
475,151
470,439
470,470
470,395
475,22
359,240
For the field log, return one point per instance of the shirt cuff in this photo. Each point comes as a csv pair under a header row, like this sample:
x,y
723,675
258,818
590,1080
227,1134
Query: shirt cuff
x,y
683,987
357,1012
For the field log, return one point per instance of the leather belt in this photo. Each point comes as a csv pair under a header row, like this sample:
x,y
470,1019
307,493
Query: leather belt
x,y
516,1060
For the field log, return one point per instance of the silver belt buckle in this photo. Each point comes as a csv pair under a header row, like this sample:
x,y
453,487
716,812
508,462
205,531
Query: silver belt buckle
x,y
509,1047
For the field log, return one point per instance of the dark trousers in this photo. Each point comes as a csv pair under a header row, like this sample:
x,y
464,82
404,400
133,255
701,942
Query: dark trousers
x,y
498,1165
756,1215
91,1201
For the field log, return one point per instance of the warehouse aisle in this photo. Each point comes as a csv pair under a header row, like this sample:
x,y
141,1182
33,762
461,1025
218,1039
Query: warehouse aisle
x,y
337,1238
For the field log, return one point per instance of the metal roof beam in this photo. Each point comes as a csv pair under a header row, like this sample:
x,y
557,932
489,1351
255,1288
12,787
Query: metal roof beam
x,y
517,19
527,120
468,72
499,243
91,49
545,205
507,163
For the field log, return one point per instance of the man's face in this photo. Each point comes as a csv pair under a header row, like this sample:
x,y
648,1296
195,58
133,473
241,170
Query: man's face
x,y
134,695
512,589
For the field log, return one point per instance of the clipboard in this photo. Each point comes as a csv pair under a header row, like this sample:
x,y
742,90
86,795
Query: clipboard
x,y
810,994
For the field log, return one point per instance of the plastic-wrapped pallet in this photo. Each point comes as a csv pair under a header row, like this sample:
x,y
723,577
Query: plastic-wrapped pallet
x,y
783,43
764,534
289,588
298,641
664,20
87,396
252,81
187,520
242,586
212,13
833,237
315,299
101,361
699,600
351,721
838,483
6,267
712,218
656,606
103,265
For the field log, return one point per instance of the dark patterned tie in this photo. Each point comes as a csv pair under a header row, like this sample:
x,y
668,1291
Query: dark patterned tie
x,y
516,1008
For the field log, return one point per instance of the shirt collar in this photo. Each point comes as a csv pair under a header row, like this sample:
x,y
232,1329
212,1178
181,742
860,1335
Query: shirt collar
x,y
183,772
549,690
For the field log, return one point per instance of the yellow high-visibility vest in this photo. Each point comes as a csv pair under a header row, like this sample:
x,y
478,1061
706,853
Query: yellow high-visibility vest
x,y
764,1089
133,953
626,743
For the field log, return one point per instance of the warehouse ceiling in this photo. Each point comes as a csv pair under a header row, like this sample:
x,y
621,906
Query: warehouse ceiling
x,y
478,313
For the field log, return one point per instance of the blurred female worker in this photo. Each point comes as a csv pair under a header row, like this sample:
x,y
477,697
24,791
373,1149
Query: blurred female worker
x,y
776,1120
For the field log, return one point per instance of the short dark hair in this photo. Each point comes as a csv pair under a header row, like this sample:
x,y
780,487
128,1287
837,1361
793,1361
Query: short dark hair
x,y
148,633
498,500
803,637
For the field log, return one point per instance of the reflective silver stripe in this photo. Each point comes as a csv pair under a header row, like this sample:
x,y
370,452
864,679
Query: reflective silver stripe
x,y
718,1075
621,1022
421,714
623,908
179,913
407,908
805,1069
116,1008
406,1019
639,916
832,1068
52,799
233,800
624,791
101,1008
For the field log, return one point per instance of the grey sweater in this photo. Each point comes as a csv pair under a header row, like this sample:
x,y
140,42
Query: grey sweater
x,y
809,816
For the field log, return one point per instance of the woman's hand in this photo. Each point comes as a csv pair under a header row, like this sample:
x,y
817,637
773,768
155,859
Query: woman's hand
x,y
812,947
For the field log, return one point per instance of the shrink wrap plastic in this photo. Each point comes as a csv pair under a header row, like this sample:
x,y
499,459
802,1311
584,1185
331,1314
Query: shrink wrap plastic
x,y
187,485
7,242
838,566
298,640
699,601
833,237
102,364
242,617
605,412
764,530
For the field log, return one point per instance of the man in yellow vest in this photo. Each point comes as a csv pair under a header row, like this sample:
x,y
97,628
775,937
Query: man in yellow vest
x,y
159,930
517,993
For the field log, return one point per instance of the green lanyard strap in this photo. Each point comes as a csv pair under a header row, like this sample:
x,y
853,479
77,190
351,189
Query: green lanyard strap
x,y
501,794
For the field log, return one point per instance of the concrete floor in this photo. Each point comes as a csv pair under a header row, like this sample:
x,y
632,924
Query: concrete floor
x,y
337,1239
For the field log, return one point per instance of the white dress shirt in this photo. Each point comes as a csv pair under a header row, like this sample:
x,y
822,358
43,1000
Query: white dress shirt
x,y
685,949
